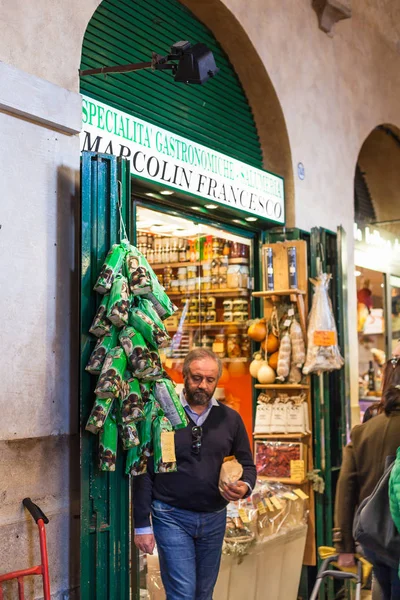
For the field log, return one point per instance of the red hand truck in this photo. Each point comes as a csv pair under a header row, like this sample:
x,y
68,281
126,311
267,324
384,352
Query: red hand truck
x,y
42,569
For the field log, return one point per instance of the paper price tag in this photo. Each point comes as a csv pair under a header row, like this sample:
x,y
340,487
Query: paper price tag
x,y
287,323
275,501
218,347
300,494
243,515
261,508
324,338
168,446
290,312
290,496
269,504
297,470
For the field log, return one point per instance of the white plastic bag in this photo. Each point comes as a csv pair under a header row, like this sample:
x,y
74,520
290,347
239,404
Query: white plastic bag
x,y
323,352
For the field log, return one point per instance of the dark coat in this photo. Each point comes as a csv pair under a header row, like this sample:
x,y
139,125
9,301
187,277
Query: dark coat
x,y
362,467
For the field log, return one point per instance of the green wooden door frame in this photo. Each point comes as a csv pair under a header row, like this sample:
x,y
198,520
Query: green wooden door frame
x,y
329,392
104,550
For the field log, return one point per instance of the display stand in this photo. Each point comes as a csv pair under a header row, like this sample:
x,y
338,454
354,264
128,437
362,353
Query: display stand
x,y
299,297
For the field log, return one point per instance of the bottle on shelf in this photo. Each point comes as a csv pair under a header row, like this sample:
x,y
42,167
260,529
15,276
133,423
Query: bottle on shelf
x,y
371,377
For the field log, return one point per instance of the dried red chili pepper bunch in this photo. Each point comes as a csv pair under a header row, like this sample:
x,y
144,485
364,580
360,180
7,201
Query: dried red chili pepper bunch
x,y
273,458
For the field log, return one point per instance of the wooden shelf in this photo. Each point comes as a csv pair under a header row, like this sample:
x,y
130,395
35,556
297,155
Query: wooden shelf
x,y
281,386
241,359
227,292
269,293
184,263
282,480
210,325
188,263
283,436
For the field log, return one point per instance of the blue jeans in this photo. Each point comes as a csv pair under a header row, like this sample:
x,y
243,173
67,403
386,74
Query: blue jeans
x,y
386,576
189,546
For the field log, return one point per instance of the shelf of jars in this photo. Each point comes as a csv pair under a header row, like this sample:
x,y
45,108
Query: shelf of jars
x,y
207,324
239,359
223,292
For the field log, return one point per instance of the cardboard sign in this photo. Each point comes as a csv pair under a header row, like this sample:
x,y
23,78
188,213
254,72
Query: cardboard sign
x,y
324,338
297,470
300,494
168,446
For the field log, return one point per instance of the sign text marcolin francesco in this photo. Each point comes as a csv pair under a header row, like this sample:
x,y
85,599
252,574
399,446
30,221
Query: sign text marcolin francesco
x,y
167,158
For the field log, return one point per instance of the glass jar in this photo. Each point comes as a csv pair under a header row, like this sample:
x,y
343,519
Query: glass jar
x,y
222,281
182,250
214,282
191,285
233,345
206,283
233,277
211,302
183,285
194,304
245,346
219,345
228,305
191,272
206,269
211,316
193,316
182,273
239,305
228,317
174,286
244,276
206,341
239,317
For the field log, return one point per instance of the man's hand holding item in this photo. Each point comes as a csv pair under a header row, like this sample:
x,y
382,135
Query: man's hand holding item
x,y
145,542
234,491
346,560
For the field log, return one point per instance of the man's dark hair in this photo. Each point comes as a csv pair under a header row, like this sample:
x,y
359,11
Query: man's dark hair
x,y
200,354
391,400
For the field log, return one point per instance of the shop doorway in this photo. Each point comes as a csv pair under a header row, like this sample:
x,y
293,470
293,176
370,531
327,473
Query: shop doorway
x,y
377,257
217,116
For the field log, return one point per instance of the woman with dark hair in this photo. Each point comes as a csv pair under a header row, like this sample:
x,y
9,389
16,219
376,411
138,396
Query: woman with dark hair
x,y
362,467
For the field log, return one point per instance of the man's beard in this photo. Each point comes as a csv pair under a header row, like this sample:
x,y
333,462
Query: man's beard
x,y
197,397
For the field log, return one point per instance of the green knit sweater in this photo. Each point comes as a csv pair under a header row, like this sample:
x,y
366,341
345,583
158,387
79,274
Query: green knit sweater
x,y
394,492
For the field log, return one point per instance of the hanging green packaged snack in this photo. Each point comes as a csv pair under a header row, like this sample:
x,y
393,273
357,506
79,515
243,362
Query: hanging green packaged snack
x,y
119,302
137,353
145,390
136,463
151,410
165,394
138,271
150,331
102,347
108,444
109,384
101,325
158,371
129,435
110,268
143,281
163,445
99,414
130,402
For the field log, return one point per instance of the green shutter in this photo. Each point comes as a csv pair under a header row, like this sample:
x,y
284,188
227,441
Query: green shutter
x,y
104,496
215,114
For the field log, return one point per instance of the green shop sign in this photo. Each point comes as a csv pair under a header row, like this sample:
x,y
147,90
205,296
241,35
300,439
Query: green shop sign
x,y
169,159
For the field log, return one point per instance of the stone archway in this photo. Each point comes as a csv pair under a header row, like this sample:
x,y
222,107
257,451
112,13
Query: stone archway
x,y
379,165
258,87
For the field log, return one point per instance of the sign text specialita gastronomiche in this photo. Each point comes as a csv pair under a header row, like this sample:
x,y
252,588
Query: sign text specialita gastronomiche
x,y
171,160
